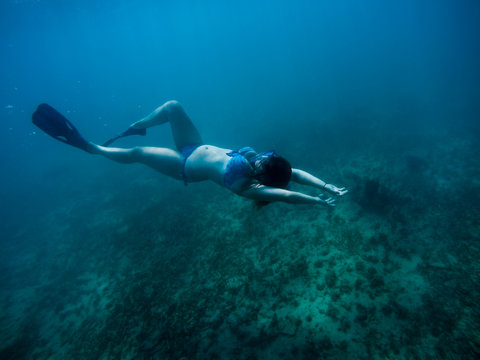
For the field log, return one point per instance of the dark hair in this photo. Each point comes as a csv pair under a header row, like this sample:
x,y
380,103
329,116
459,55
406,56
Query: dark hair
x,y
276,172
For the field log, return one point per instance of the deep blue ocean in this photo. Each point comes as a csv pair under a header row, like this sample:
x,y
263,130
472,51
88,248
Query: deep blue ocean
x,y
100,260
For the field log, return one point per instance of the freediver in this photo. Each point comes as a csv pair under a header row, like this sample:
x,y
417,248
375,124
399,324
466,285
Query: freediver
x,y
261,176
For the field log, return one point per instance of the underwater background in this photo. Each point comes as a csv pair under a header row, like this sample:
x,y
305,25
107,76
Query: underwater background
x,y
101,260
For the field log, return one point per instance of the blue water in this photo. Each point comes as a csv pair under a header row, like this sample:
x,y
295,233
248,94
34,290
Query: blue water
x,y
379,96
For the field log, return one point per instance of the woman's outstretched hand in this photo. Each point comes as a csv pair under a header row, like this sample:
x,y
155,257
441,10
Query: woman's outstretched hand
x,y
335,190
327,201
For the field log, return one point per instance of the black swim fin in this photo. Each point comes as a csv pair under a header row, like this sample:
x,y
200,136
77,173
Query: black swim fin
x,y
130,131
57,126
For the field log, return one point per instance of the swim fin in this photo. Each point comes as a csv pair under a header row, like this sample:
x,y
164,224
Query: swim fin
x,y
57,126
130,131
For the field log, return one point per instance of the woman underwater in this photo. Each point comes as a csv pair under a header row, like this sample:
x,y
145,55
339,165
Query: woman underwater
x,y
262,177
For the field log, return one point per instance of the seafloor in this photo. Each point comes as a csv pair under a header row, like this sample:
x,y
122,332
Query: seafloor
x,y
123,263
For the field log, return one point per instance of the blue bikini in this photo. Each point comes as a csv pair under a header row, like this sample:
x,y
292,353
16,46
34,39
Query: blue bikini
x,y
238,167
186,151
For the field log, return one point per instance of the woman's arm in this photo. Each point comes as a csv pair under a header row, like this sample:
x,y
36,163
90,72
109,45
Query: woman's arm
x,y
304,178
266,193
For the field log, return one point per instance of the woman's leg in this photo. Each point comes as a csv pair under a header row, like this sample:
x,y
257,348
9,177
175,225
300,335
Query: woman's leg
x,y
184,132
167,161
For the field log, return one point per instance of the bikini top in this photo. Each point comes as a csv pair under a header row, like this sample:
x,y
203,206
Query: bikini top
x,y
241,167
